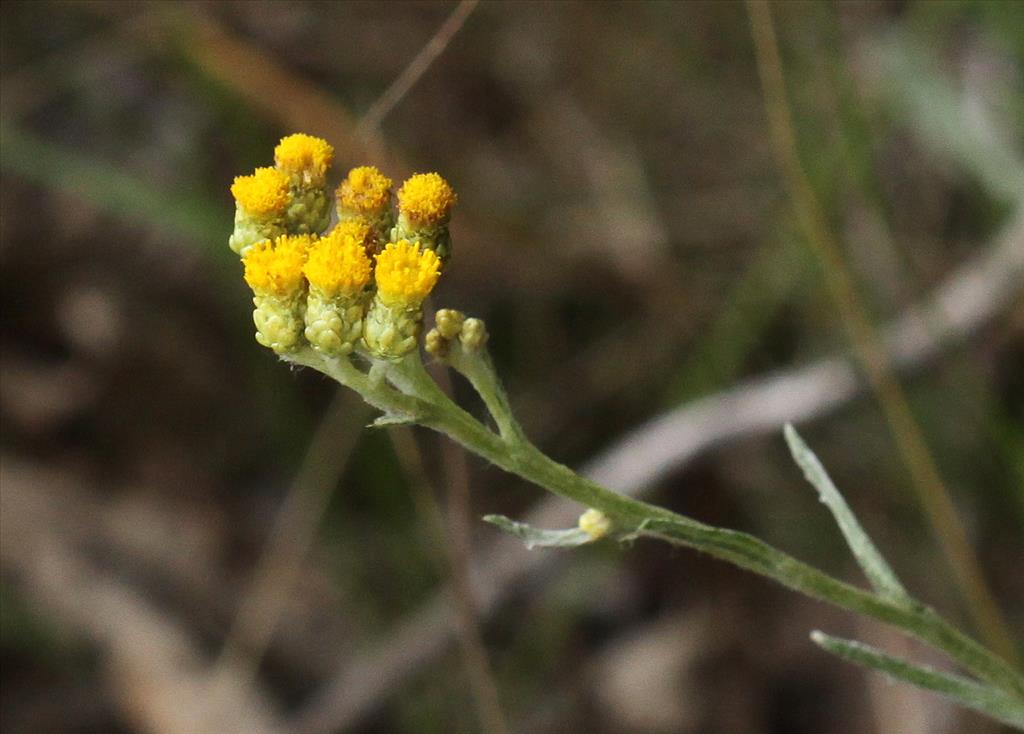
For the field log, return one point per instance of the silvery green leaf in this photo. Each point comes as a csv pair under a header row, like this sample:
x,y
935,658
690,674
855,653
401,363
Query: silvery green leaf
x,y
392,419
537,538
962,691
875,567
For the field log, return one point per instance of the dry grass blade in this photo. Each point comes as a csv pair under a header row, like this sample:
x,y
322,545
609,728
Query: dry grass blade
x,y
291,537
291,100
454,562
370,121
151,660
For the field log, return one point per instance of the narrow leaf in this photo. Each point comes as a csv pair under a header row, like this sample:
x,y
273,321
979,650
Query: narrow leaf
x,y
537,538
961,691
875,567
392,419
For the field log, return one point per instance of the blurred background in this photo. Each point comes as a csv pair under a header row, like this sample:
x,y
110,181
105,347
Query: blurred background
x,y
196,538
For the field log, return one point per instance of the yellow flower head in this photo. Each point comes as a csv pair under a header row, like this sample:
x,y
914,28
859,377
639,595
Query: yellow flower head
x,y
427,198
304,155
262,194
275,268
406,274
358,229
338,262
365,190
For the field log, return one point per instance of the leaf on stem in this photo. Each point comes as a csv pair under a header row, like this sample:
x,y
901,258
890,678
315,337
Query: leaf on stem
x,y
962,691
875,567
392,419
538,538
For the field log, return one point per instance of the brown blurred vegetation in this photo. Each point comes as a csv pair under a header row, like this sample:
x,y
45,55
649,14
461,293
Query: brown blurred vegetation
x,y
625,232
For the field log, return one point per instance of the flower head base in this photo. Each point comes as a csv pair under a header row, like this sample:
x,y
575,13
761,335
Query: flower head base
x,y
304,157
338,270
305,160
365,191
338,263
426,198
263,194
406,274
274,268
261,203
425,204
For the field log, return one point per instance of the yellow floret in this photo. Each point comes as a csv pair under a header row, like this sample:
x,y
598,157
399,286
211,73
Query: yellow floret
x,y
406,274
275,268
302,154
359,229
338,262
426,197
365,190
263,193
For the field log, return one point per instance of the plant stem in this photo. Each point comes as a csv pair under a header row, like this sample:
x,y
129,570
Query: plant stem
x,y
419,397
476,367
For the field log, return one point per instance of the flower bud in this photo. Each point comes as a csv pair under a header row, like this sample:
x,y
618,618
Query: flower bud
x,y
365,195
273,269
338,270
436,344
449,322
305,159
595,524
405,274
261,200
425,204
473,334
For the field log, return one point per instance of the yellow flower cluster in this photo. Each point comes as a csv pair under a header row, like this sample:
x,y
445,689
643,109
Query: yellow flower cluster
x,y
365,190
304,155
338,263
405,274
264,193
362,285
426,197
274,268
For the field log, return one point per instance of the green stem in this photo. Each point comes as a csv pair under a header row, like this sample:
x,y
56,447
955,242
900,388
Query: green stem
x,y
476,367
418,396
375,392
918,620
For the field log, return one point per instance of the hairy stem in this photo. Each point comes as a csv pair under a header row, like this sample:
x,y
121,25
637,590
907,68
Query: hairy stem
x,y
415,394
476,367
